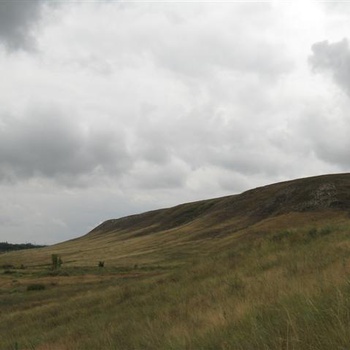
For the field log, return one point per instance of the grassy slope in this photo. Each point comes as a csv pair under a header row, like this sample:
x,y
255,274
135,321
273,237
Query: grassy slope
x,y
263,270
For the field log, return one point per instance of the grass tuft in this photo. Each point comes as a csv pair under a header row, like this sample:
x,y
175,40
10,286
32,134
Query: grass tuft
x,y
36,286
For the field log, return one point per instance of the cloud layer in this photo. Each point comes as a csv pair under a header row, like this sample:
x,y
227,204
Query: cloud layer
x,y
113,108
333,58
17,22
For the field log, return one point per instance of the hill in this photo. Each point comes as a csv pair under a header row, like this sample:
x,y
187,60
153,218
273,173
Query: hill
x,y
190,229
322,193
265,269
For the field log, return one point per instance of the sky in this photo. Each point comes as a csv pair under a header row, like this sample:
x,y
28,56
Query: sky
x,y
111,108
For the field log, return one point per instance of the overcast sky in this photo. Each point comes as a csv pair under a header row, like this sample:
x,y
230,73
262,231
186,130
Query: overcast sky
x,y
113,108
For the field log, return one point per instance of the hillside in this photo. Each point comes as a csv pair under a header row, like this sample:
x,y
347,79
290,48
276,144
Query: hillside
x,y
265,269
191,229
331,192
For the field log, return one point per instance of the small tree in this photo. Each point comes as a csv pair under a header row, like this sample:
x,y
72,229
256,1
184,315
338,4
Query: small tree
x,y
56,261
101,264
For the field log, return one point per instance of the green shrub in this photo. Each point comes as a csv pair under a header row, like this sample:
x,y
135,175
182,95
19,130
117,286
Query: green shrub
x,y
56,261
280,236
58,273
325,231
36,286
313,232
7,266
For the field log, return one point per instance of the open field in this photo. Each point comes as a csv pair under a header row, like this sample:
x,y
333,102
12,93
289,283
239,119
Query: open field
x,y
289,290
282,282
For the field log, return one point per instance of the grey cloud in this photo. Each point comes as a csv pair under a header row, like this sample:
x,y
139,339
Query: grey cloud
x,y
335,59
17,19
152,142
206,51
170,176
255,154
171,103
335,154
326,126
328,136
48,144
210,137
200,41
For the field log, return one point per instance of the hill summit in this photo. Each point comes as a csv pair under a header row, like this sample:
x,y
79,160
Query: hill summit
x,y
233,213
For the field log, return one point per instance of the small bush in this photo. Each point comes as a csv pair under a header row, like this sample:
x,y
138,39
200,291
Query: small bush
x,y
58,273
36,286
56,261
280,236
313,232
7,266
101,264
325,231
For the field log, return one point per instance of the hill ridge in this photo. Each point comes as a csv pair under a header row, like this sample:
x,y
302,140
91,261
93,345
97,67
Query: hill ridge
x,y
316,193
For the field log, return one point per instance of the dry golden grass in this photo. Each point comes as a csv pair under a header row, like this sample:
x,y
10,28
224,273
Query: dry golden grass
x,y
221,298
205,279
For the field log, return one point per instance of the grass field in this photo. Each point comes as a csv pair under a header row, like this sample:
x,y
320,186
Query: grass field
x,y
268,269
284,289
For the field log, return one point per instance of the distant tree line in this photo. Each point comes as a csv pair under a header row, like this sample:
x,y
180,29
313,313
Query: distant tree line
x,y
7,247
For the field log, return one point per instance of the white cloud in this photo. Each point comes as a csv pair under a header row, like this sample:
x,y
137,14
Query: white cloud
x,y
128,107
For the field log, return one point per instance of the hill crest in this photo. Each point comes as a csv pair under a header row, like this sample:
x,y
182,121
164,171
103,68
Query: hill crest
x,y
318,193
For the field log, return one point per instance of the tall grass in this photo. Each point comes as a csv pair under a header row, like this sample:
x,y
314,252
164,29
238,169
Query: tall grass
x,y
283,290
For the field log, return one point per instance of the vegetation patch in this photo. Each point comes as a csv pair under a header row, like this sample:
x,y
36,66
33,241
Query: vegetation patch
x,y
254,294
7,247
7,266
281,236
36,286
276,282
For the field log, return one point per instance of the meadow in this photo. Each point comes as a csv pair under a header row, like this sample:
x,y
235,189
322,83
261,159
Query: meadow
x,y
267,269
282,288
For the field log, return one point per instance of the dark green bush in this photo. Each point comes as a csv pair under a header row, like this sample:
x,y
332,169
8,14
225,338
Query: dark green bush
x,y
36,286
56,261
58,273
325,231
313,232
7,266
280,236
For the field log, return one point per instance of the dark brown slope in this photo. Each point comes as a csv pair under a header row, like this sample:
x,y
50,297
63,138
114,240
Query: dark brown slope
x,y
320,193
